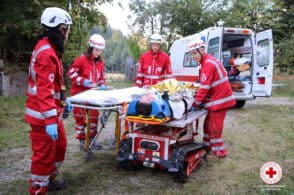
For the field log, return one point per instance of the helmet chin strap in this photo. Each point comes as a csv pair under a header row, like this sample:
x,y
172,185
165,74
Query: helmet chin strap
x,y
199,53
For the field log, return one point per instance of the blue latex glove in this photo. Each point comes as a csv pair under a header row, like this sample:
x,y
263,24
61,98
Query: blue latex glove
x,y
193,109
51,130
102,87
87,83
68,106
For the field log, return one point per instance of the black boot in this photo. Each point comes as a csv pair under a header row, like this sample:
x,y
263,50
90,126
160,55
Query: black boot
x,y
56,184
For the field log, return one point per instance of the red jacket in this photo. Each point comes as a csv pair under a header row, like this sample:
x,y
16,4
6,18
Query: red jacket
x,y
153,68
85,68
215,91
43,105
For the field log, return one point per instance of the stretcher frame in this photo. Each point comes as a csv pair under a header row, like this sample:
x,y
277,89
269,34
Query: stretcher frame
x,y
101,125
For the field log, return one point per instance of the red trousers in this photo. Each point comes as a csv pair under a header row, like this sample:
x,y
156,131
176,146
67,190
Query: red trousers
x,y
213,132
47,157
80,116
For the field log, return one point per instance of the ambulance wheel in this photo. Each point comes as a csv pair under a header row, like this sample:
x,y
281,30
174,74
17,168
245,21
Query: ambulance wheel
x,y
240,103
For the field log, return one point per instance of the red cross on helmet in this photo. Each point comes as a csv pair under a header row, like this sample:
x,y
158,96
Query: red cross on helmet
x,y
54,16
97,41
196,44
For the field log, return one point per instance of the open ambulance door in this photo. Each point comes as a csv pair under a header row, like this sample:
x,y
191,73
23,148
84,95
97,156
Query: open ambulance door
x,y
214,42
263,66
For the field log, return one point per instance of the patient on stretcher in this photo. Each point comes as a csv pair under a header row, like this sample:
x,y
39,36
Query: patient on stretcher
x,y
158,105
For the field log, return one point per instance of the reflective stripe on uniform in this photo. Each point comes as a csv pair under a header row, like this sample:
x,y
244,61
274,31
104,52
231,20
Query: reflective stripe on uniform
x,y
218,82
205,86
221,76
206,143
79,80
73,75
140,75
79,132
217,140
79,126
169,76
93,124
220,101
139,82
41,180
41,115
154,76
33,90
218,148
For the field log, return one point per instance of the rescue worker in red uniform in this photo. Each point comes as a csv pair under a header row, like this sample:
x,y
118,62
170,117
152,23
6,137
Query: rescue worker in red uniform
x,y
44,104
86,72
215,94
154,65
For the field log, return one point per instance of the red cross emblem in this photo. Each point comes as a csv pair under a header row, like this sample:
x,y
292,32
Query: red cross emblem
x,y
271,172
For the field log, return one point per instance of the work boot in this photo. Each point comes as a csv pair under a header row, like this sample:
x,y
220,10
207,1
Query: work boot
x,y
56,184
95,145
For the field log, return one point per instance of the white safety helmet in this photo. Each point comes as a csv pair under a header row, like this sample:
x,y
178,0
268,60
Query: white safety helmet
x,y
53,16
97,41
155,38
196,44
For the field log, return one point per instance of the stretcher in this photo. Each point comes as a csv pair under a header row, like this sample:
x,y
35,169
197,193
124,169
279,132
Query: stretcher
x,y
105,101
163,143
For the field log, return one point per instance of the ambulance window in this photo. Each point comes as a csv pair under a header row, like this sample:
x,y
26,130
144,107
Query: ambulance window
x,y
213,47
189,61
263,52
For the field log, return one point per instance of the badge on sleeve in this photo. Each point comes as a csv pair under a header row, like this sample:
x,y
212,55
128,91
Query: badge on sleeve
x,y
203,77
51,77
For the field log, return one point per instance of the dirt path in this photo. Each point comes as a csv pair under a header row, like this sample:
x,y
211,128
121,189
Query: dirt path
x,y
15,163
272,101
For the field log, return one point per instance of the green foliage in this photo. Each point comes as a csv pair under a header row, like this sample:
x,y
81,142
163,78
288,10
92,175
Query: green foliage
x,y
285,54
20,26
116,50
254,14
134,48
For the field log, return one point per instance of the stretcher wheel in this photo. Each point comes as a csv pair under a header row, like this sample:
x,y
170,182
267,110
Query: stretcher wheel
x,y
89,156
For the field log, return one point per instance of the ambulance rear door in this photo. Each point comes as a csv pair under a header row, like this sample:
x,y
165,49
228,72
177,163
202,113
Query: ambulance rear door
x,y
263,65
214,41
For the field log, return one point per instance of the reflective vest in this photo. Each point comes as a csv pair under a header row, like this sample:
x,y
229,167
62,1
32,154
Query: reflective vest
x,y
215,91
85,68
43,105
153,68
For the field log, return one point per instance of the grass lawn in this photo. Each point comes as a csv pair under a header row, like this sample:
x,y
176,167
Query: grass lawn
x,y
254,135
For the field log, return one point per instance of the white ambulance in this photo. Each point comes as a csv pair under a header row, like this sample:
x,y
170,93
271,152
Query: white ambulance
x,y
248,59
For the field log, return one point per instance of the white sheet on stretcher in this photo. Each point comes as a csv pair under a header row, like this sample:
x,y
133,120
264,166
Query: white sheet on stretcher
x,y
106,98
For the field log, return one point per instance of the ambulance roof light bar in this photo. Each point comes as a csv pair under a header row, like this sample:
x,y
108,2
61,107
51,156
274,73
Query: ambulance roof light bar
x,y
238,31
